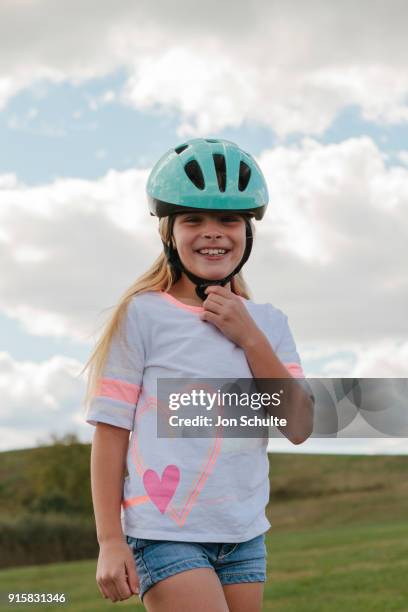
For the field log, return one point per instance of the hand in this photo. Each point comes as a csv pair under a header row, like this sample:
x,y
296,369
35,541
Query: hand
x,y
227,312
116,574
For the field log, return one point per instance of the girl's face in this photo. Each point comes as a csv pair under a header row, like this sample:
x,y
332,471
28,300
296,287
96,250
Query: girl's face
x,y
194,232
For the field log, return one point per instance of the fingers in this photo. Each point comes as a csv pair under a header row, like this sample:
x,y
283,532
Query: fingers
x,y
119,588
207,315
116,574
132,577
214,303
102,591
218,289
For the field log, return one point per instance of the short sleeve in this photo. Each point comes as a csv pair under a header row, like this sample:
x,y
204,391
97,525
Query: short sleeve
x,y
120,384
287,353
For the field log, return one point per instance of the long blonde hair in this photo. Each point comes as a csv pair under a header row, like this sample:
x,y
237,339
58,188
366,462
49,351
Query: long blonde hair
x,y
159,277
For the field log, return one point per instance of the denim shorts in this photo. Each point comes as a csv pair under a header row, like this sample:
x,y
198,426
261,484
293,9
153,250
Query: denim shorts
x,y
159,559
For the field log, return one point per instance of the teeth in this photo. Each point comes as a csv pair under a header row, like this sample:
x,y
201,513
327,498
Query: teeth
x,y
212,251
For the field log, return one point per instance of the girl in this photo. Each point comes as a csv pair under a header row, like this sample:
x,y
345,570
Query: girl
x,y
193,527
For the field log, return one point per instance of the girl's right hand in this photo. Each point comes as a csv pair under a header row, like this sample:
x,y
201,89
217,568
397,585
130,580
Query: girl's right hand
x,y
116,574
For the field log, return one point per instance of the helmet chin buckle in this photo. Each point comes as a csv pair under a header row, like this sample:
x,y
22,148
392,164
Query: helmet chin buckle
x,y
200,288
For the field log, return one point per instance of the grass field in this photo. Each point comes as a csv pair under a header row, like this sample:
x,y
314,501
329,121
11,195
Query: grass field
x,y
358,568
338,542
361,568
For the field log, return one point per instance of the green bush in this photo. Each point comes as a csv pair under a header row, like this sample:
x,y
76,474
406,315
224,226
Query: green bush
x,y
46,538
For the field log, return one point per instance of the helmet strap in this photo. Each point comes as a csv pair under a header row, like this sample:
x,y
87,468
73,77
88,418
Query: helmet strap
x,y
202,283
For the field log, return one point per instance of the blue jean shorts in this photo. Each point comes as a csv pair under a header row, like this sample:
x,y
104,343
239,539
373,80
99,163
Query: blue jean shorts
x,y
233,563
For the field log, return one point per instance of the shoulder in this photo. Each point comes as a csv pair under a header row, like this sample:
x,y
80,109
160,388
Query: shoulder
x,y
266,311
142,301
137,310
270,319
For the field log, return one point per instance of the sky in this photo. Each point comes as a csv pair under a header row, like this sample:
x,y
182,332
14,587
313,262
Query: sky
x,y
93,93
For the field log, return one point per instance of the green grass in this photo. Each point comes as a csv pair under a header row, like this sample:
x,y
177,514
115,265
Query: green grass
x,y
75,579
358,568
338,541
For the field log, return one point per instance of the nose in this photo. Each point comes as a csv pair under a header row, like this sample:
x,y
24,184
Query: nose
x,y
212,234
212,230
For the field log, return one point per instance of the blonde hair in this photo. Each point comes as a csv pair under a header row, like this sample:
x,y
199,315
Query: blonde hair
x,y
159,277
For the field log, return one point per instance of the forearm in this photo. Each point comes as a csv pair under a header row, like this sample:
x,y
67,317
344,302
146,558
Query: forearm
x,y
108,464
298,406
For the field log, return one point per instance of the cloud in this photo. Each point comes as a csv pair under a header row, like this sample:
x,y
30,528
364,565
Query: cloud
x,y
51,389
385,358
288,65
54,393
323,248
342,446
70,247
333,199
322,252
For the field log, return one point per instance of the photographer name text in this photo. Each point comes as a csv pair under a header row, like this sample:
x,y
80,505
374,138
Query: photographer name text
x,y
243,420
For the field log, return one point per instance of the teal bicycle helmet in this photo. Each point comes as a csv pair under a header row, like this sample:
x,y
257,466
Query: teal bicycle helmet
x,y
207,175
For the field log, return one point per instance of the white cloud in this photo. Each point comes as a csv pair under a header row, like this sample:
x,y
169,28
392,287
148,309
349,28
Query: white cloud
x,y
322,252
342,446
403,157
53,391
70,247
386,358
289,65
209,94
8,181
334,199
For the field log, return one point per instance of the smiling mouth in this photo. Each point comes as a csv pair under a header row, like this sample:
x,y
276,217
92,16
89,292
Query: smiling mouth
x,y
213,254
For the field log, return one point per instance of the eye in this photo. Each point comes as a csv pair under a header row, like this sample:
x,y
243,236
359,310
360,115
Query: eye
x,y
192,219
230,218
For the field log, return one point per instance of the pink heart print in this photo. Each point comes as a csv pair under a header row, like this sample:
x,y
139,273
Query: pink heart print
x,y
161,491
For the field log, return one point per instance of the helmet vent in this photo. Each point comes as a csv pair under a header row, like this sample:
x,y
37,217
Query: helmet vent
x,y
244,176
220,168
181,148
211,140
194,173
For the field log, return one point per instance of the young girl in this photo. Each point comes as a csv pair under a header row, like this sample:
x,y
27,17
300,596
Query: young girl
x,y
192,535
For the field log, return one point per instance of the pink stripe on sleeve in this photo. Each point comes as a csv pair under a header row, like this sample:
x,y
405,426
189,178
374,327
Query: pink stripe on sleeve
x,y
118,390
294,369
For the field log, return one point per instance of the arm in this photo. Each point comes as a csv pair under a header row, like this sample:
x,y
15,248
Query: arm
x,y
116,574
298,407
225,310
108,464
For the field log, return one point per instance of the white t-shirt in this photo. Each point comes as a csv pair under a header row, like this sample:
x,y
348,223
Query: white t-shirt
x,y
186,489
